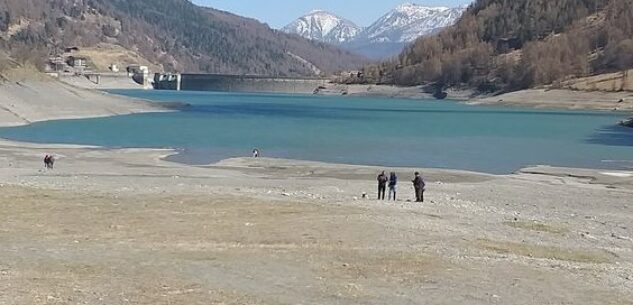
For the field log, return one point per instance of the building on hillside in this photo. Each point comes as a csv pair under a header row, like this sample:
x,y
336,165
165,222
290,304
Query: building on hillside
x,y
137,69
353,73
71,49
78,63
56,64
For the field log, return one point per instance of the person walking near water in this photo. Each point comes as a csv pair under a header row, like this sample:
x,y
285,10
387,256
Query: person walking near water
x,y
393,185
419,186
382,185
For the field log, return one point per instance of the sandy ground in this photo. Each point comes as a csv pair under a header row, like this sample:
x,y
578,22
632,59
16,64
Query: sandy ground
x,y
564,99
125,227
28,101
415,92
535,98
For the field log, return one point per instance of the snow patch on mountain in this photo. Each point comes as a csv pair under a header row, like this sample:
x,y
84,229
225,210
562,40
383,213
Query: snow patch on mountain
x,y
324,26
384,38
408,22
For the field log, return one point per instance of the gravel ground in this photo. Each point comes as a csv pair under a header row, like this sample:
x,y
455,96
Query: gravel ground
x,y
125,227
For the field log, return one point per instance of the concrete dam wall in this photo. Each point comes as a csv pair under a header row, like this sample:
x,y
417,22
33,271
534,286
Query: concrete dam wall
x,y
238,83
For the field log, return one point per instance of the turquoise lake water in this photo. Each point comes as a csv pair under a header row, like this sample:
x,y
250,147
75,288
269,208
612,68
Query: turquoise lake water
x,y
370,131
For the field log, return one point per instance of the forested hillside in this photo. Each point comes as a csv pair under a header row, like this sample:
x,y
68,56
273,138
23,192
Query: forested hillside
x,y
176,34
504,45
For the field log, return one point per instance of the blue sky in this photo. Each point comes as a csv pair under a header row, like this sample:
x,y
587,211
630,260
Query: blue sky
x,y
278,13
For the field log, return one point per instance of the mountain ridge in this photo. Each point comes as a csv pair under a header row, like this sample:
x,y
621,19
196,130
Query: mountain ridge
x,y
391,32
175,34
498,46
323,26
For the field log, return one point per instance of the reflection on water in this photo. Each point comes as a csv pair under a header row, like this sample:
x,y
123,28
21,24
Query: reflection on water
x,y
615,135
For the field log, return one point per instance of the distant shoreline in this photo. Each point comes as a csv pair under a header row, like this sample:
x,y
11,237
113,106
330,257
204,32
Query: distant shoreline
x,y
563,99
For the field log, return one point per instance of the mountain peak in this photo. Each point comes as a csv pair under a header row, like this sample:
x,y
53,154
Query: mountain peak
x,y
400,26
414,8
409,21
318,12
324,26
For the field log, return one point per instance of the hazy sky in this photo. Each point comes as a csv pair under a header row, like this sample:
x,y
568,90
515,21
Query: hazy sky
x,y
278,13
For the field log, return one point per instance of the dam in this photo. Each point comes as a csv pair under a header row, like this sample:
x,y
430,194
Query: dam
x,y
238,83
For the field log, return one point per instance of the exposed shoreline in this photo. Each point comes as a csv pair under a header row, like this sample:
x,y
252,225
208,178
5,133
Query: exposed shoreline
x,y
124,224
29,101
563,99
68,102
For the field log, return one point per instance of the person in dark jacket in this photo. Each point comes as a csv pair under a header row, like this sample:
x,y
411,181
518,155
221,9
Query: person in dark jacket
x,y
382,185
419,186
49,161
393,185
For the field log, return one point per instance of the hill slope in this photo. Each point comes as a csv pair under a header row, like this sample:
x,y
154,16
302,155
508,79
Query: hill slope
x,y
499,45
176,34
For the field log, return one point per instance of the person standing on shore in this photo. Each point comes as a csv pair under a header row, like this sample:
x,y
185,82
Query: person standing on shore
x,y
382,185
419,186
393,185
255,153
49,161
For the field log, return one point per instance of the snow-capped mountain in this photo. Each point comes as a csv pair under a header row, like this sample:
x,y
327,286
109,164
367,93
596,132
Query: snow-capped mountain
x,y
324,26
409,21
384,38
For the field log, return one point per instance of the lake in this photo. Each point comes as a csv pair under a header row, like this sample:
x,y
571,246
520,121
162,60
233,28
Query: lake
x,y
351,130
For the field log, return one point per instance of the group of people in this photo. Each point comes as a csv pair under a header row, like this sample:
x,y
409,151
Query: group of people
x,y
392,181
49,161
